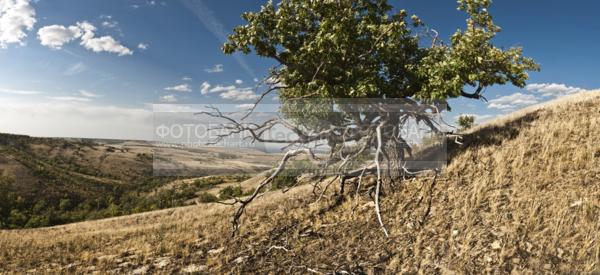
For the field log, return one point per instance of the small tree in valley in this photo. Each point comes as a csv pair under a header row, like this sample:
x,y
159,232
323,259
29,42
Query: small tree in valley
x,y
466,121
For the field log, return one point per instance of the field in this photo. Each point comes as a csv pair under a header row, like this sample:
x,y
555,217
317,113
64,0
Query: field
x,y
521,195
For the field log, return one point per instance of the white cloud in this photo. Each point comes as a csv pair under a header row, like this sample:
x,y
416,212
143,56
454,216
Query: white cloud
x,y
55,36
229,92
217,68
70,98
245,106
151,3
221,89
100,44
110,24
19,92
89,94
553,89
512,101
76,68
169,98
239,82
186,78
16,17
205,88
239,94
143,46
180,88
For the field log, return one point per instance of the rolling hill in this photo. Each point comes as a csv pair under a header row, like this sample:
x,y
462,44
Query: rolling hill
x,y
50,181
520,195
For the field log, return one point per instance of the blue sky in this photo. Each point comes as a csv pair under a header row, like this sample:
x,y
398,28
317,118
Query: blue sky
x,y
93,68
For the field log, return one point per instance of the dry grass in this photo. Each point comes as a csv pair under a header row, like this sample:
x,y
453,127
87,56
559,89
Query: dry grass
x,y
522,195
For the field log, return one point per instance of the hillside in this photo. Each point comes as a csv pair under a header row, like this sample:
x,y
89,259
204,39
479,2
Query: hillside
x,y
522,194
49,181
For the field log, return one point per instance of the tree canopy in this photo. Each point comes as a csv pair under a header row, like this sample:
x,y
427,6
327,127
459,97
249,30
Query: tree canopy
x,y
363,48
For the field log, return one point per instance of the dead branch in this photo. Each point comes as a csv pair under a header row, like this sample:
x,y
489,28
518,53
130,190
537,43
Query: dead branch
x,y
368,126
378,188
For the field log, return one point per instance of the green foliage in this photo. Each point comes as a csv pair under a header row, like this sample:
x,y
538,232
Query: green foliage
x,y
230,192
289,177
65,204
359,48
238,178
20,212
466,122
207,183
205,197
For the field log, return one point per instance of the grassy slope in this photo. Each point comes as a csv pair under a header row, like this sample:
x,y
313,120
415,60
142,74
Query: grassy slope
x,y
98,178
41,172
522,195
67,165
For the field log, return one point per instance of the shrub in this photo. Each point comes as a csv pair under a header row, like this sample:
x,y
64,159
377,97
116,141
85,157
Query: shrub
x,y
205,197
286,178
230,192
466,121
207,183
289,177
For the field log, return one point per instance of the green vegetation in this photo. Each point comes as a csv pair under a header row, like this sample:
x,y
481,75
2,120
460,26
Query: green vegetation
x,y
466,122
207,183
205,197
231,192
17,211
289,177
59,183
368,49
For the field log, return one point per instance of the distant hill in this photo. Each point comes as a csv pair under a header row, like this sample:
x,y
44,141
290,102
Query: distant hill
x,y
49,181
522,195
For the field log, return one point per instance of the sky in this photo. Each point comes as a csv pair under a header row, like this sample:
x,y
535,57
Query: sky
x,y
95,68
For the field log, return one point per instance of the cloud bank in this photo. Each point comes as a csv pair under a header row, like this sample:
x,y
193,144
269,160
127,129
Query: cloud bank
x,y
512,101
553,89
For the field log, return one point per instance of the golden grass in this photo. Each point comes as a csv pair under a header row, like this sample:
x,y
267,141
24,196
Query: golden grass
x,y
522,196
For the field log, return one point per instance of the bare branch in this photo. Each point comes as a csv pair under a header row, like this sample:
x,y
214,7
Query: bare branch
x,y
378,188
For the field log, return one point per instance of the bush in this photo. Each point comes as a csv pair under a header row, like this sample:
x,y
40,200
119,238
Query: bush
x,y
466,121
230,192
287,178
207,183
238,178
205,197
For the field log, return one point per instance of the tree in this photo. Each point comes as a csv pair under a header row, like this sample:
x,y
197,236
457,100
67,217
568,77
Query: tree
x,y
328,52
466,121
